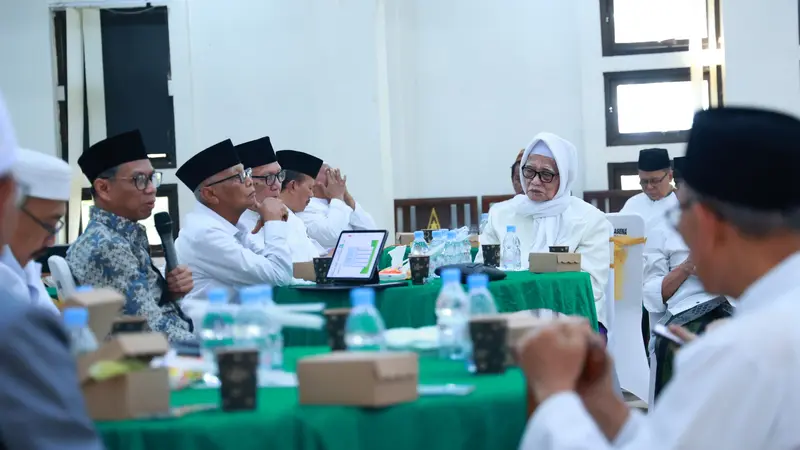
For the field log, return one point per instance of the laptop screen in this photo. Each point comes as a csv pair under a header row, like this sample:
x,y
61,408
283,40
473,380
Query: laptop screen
x,y
356,255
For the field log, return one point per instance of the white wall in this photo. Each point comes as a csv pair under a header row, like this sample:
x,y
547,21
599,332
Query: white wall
x,y
27,73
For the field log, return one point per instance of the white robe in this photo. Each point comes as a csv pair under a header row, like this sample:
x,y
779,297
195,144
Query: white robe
x,y
25,282
221,254
302,247
734,388
325,220
653,212
583,228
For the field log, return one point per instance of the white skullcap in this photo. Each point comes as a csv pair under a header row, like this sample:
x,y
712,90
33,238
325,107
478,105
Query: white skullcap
x,y
541,148
8,142
45,176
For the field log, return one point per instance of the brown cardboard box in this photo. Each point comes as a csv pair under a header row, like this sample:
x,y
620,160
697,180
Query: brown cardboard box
x,y
104,306
304,271
554,262
358,378
404,238
141,393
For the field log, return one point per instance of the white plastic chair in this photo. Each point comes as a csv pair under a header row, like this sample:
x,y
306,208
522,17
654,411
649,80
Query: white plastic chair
x,y
625,342
59,270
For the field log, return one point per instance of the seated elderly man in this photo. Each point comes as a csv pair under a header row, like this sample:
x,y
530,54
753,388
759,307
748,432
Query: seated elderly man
x,y
549,215
220,250
266,173
296,192
113,250
45,182
333,209
657,197
515,181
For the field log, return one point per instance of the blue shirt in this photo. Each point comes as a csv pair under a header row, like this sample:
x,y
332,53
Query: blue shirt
x,y
113,252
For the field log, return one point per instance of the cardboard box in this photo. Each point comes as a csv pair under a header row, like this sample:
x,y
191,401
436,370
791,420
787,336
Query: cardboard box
x,y
304,271
135,394
358,378
404,238
554,262
104,307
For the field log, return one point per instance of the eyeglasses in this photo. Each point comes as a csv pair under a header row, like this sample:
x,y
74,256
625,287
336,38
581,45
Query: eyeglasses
x,y
141,180
51,229
242,176
271,178
530,173
652,181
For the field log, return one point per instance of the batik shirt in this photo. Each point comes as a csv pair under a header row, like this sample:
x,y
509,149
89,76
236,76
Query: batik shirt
x,y
113,252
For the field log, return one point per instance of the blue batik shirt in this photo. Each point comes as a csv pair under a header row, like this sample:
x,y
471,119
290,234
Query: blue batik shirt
x,y
113,252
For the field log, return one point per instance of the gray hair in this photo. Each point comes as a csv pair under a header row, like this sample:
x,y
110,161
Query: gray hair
x,y
106,174
749,221
198,194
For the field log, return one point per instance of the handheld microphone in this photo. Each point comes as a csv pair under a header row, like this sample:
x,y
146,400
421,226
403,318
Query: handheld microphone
x,y
164,228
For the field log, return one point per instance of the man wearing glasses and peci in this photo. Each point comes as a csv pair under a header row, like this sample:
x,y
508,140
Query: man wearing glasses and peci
x,y
43,182
266,173
114,251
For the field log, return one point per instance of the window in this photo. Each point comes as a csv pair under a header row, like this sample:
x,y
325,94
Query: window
x,y
136,74
652,106
656,26
166,201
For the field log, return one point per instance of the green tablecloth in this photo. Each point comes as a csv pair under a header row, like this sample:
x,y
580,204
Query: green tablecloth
x,y
386,260
492,417
413,306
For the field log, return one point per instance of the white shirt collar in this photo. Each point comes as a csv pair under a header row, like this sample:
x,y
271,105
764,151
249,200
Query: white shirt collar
x,y
8,259
770,287
319,201
209,213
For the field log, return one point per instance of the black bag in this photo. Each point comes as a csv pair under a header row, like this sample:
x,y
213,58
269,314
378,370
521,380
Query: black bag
x,y
494,273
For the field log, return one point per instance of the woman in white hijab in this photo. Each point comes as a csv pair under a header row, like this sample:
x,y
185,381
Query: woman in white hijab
x,y
547,214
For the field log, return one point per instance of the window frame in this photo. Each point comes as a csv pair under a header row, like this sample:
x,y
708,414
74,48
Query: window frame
x,y
616,170
612,80
611,48
170,191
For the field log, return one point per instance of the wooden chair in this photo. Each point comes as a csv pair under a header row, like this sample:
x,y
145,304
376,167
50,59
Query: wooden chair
x,y
450,212
608,201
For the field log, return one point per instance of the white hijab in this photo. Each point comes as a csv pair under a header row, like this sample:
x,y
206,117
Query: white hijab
x,y
548,214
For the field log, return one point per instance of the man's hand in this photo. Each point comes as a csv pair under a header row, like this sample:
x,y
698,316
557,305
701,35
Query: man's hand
x,y
688,267
336,185
552,357
270,209
179,281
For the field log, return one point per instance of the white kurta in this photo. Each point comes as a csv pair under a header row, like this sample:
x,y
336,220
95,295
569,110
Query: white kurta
x,y
302,247
221,254
583,228
25,283
325,220
653,212
734,388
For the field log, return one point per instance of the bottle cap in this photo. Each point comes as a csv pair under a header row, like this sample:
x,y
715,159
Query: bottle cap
x,y
484,216
217,295
451,235
266,291
511,228
76,317
249,295
362,296
419,235
477,281
451,275
83,288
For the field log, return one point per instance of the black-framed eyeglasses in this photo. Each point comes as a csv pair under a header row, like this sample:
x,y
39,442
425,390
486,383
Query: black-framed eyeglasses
x,y
271,178
545,175
141,180
652,181
673,215
51,229
242,176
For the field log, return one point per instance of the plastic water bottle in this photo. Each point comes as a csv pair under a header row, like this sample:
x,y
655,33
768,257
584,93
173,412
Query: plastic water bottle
x,y
484,222
452,316
216,329
275,331
435,250
481,301
510,254
252,326
420,247
81,338
466,250
364,327
452,252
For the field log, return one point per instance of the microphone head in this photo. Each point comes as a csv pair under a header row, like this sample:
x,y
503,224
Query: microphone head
x,y
163,223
